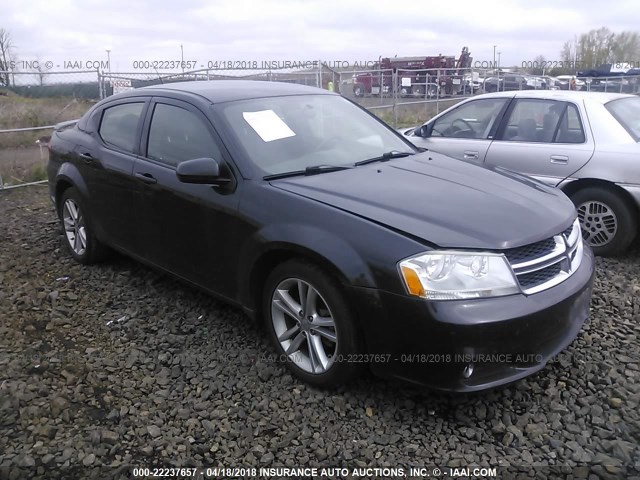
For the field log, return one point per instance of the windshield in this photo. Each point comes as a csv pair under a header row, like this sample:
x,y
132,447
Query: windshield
x,y
627,112
288,134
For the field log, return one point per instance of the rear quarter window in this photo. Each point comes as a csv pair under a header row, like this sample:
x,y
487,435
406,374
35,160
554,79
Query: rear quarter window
x,y
627,112
119,125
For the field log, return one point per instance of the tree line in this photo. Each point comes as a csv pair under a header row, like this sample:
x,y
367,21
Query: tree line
x,y
591,50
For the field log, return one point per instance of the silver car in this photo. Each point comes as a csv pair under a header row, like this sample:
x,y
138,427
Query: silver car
x,y
582,142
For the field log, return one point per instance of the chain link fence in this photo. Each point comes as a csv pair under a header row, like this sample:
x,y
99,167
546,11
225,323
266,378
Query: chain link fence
x,y
31,103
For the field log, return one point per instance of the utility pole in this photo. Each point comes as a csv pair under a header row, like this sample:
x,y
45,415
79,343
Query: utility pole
x,y
182,58
494,56
109,59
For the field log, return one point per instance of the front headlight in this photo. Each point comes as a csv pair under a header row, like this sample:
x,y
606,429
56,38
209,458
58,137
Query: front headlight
x,y
451,275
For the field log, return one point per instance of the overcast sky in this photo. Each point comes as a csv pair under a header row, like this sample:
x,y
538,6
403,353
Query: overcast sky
x,y
346,31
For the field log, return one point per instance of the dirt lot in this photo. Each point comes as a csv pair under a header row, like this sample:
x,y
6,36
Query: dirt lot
x,y
114,365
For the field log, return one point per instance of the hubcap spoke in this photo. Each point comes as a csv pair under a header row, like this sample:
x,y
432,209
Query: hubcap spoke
x,y
77,246
303,290
289,333
326,333
82,233
317,354
310,302
324,322
295,344
287,304
69,224
73,210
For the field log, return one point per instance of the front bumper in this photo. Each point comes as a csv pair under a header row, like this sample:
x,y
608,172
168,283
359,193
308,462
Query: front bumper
x,y
470,345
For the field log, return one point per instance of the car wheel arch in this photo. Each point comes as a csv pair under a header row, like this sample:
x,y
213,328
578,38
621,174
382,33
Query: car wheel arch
x,y
572,188
277,255
69,176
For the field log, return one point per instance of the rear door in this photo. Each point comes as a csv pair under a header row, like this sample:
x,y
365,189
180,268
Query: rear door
x,y
467,131
542,138
107,161
184,227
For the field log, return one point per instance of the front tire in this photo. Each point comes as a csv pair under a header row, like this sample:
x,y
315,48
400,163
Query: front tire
x,y
608,223
310,324
78,233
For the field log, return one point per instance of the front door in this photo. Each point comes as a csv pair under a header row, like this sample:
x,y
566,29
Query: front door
x,y
465,132
185,227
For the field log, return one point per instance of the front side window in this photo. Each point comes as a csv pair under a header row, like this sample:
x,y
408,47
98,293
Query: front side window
x,y
119,125
177,134
471,120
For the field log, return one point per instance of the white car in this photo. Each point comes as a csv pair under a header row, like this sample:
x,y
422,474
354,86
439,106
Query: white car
x,y
585,143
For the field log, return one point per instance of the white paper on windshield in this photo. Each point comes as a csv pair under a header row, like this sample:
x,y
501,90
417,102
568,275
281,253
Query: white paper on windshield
x,y
268,125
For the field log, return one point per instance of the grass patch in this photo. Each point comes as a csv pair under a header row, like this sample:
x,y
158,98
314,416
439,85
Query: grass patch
x,y
38,172
23,112
409,115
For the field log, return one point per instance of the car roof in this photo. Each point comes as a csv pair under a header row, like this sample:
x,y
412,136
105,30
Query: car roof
x,y
601,97
218,91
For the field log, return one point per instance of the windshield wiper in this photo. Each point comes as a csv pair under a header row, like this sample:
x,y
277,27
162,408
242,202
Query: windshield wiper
x,y
384,157
313,170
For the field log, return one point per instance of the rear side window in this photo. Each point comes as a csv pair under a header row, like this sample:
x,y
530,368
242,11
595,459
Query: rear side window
x,y
533,120
177,134
627,112
119,125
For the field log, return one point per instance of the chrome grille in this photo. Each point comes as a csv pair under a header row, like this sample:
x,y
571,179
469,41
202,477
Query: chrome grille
x,y
543,264
530,252
538,277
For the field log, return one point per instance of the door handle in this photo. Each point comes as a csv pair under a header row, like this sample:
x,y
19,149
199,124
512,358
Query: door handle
x,y
559,159
86,156
469,155
146,178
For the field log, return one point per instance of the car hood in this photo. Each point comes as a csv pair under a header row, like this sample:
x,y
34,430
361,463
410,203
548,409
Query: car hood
x,y
443,201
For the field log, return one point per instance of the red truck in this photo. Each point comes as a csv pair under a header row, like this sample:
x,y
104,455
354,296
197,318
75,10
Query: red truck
x,y
416,76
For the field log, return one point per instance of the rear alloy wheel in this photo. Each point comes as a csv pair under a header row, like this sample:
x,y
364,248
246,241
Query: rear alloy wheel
x,y
78,235
608,223
310,324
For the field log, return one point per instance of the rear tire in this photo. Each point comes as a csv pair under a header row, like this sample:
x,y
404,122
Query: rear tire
x,y
315,338
77,229
608,223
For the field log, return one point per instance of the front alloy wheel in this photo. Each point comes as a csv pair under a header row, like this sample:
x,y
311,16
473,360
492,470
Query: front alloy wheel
x,y
304,325
310,324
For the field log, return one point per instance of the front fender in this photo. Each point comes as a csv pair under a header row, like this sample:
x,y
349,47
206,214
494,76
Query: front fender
x,y
309,241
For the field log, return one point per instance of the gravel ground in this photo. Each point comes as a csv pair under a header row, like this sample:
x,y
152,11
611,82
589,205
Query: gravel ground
x,y
115,364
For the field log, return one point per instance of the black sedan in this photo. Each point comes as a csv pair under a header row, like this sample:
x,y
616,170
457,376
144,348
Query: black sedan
x,y
353,246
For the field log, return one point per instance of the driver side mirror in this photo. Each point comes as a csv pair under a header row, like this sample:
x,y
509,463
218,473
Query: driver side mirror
x,y
207,171
424,131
